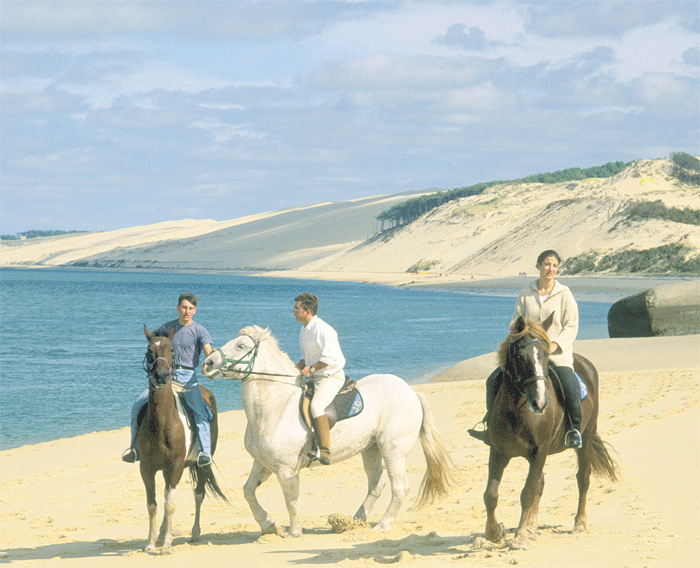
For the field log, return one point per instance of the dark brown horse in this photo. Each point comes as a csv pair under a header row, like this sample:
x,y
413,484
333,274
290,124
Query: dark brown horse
x,y
166,443
527,420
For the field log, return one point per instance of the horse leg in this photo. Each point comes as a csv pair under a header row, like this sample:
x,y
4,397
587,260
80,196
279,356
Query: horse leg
x,y
149,480
199,492
529,498
372,462
497,465
532,521
583,478
396,470
258,475
169,511
290,489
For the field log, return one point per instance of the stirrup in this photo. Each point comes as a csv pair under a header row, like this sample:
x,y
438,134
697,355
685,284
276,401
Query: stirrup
x,y
203,460
130,455
482,435
572,439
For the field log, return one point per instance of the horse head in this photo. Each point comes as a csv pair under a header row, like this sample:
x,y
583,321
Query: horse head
x,y
235,359
254,351
525,360
158,362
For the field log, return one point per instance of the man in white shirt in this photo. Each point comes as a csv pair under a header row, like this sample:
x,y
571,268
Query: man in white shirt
x,y
322,360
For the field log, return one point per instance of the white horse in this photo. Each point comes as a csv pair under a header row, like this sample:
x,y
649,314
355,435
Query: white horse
x,y
393,418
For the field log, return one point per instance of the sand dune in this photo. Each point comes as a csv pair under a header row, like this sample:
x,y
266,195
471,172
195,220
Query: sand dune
x,y
497,233
73,502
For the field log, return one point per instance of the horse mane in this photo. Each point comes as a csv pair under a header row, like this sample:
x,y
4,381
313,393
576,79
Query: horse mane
x,y
529,327
161,333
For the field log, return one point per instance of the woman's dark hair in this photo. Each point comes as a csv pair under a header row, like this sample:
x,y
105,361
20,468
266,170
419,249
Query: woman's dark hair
x,y
545,254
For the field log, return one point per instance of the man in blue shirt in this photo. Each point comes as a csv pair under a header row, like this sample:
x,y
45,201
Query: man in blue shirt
x,y
189,341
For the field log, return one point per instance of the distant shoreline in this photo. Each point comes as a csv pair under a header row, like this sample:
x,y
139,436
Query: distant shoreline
x,y
591,287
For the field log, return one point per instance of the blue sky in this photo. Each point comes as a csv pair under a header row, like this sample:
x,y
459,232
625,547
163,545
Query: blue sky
x,y
117,114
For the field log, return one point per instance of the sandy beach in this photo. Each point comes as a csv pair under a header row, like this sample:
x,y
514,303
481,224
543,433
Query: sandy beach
x,y
73,502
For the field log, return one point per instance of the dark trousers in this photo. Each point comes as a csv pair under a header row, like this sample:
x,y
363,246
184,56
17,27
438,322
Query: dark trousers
x,y
569,384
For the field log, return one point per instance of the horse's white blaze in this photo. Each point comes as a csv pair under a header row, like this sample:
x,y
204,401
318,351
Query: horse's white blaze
x,y
540,385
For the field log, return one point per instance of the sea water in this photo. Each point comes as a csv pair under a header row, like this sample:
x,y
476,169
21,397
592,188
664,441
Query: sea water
x,y
73,342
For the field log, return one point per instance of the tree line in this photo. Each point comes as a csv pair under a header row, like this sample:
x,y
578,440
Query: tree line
x,y
36,233
409,210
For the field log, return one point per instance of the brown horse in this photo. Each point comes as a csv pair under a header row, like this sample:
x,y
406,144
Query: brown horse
x,y
528,421
165,441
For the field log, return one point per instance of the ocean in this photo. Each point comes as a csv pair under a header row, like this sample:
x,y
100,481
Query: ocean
x,y
73,342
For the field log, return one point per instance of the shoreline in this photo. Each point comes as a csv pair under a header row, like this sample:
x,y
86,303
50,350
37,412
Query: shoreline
x,y
604,284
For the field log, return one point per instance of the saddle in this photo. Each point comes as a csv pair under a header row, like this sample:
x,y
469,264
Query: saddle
x,y
560,391
189,414
346,404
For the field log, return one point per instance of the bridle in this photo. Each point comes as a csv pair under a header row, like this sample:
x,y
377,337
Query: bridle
x,y
521,383
252,353
149,366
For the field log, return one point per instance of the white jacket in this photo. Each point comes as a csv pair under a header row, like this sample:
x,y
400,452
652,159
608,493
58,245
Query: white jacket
x,y
564,328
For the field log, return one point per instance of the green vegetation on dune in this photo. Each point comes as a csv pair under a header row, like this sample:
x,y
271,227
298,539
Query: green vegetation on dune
x,y
666,259
409,210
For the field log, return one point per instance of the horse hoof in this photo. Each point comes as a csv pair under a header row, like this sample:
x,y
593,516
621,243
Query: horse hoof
x,y
272,529
518,544
498,534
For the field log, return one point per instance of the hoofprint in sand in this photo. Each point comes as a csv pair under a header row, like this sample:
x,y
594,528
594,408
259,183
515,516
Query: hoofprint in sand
x,y
73,502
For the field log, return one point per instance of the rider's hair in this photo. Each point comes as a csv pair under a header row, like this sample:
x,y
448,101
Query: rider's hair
x,y
308,302
191,298
545,254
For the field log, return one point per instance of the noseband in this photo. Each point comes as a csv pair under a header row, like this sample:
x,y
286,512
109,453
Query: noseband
x,y
149,366
228,363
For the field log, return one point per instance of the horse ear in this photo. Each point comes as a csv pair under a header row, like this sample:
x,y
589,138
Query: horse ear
x,y
548,322
147,333
171,334
519,324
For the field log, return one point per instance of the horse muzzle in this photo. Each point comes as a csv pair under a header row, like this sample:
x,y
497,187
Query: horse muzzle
x,y
536,394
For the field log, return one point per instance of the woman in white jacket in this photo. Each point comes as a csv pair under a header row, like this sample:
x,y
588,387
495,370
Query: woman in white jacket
x,y
537,302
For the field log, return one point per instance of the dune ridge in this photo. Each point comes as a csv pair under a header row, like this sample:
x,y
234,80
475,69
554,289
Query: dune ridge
x,y
496,233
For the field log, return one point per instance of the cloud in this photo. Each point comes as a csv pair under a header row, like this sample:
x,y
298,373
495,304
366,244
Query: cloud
x,y
691,56
474,39
123,113
599,19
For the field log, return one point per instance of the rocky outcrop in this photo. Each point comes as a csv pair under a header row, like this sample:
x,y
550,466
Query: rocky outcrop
x,y
673,309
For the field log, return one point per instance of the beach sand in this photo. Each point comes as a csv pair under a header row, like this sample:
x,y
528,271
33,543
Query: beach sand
x,y
74,503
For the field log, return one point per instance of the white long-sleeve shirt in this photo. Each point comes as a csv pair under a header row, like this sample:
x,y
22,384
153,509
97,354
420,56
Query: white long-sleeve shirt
x,y
318,341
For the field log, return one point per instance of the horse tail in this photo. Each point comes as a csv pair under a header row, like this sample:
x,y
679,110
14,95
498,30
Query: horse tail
x,y
438,476
206,474
602,463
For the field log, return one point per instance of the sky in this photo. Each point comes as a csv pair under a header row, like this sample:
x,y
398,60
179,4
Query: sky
x,y
117,114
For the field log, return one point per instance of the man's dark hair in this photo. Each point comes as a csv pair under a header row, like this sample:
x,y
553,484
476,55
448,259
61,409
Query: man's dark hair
x,y
308,302
191,298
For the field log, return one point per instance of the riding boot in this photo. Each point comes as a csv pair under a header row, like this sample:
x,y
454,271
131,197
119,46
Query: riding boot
x,y
493,383
572,404
323,436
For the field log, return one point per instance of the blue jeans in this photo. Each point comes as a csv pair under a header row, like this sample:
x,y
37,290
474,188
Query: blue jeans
x,y
193,399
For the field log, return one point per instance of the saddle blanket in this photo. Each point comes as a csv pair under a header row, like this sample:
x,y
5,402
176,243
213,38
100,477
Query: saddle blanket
x,y
582,386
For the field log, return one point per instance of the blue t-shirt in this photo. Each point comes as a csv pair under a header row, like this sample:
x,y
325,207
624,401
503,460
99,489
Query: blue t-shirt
x,y
188,342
